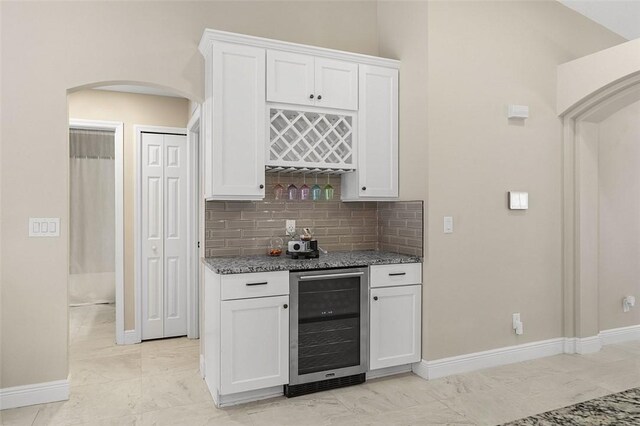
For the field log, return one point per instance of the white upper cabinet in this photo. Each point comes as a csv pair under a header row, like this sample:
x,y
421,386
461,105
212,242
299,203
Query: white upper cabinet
x,y
290,78
376,177
234,167
307,80
275,104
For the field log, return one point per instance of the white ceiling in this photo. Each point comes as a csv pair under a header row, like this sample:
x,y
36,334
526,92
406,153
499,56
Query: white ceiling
x,y
620,16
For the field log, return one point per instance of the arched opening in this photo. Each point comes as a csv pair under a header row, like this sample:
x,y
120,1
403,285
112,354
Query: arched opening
x,y
592,181
97,226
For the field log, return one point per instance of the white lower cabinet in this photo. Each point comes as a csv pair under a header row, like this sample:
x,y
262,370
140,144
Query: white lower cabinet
x,y
395,326
245,339
254,343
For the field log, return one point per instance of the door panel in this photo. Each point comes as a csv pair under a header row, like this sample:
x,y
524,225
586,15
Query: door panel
x,y
152,236
378,127
395,326
238,121
254,343
164,236
175,243
336,84
290,78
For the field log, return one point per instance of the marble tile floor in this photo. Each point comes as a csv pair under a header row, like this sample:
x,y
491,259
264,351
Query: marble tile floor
x,y
158,383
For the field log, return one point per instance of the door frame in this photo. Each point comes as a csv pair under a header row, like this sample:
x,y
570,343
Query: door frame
x,y
195,222
138,130
118,128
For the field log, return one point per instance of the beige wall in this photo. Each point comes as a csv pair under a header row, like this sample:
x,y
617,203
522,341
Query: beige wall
x,y
480,56
130,109
619,216
483,56
50,47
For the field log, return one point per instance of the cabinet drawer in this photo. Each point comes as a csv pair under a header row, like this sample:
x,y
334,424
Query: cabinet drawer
x,y
393,275
259,284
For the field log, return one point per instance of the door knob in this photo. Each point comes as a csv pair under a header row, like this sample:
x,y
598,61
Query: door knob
x,y
375,297
319,97
364,188
261,186
285,306
310,96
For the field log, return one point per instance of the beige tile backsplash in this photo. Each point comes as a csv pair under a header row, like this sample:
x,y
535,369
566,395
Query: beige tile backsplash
x,y
235,228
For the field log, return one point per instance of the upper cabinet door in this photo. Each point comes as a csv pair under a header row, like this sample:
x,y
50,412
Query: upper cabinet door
x,y
239,122
378,132
336,84
290,78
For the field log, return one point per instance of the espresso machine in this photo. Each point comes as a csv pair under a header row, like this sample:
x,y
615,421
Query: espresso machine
x,y
305,247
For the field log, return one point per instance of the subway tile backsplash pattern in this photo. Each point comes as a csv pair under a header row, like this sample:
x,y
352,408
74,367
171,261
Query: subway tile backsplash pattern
x,y
400,227
238,228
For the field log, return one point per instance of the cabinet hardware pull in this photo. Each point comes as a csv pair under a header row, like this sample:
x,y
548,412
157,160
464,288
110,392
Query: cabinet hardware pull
x,y
285,306
395,274
310,96
262,283
319,97
325,276
364,188
261,186
375,297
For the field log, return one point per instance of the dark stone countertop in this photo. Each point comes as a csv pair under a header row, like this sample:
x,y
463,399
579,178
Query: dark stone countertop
x,y
264,263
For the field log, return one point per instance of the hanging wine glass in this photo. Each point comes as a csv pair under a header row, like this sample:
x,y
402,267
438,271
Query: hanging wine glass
x,y
316,191
328,190
292,191
278,190
304,189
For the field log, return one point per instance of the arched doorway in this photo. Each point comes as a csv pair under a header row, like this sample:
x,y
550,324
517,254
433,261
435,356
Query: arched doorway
x,y
595,99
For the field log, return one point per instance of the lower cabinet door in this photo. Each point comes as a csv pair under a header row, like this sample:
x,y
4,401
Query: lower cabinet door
x,y
254,344
395,326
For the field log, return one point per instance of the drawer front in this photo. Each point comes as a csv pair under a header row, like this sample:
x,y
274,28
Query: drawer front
x,y
259,284
393,275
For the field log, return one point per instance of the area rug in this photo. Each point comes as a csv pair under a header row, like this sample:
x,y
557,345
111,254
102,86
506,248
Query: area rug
x,y
621,408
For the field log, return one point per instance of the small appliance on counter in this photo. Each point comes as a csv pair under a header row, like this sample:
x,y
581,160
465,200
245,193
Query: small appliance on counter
x,y
304,248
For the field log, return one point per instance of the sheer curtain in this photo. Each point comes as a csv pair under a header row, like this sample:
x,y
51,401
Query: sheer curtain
x,y
92,217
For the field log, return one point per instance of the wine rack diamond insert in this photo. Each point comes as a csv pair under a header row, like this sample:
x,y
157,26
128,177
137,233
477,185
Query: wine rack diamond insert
x,y
310,139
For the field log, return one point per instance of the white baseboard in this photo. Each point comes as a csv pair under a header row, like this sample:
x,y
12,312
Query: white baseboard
x,y
38,393
587,345
491,358
620,335
202,370
131,337
388,371
248,396
528,351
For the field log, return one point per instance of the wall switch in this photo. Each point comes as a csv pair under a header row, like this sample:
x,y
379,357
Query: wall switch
x,y
44,226
518,200
516,323
448,224
290,227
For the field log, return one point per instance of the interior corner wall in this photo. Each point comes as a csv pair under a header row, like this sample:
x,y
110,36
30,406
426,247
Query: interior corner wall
x,y
48,48
130,109
619,217
483,56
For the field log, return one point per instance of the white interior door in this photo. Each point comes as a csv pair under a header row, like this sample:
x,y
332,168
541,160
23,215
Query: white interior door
x,y
164,235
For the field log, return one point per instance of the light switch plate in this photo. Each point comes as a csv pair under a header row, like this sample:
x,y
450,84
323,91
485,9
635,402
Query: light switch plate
x,y
518,200
44,226
448,224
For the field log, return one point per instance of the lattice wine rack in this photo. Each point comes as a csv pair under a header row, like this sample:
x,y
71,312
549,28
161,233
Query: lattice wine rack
x,y
310,141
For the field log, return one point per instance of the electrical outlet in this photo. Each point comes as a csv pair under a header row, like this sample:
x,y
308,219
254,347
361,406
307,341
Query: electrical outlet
x,y
516,323
290,227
